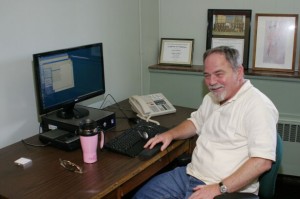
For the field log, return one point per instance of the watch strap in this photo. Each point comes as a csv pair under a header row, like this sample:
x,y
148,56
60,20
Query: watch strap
x,y
223,188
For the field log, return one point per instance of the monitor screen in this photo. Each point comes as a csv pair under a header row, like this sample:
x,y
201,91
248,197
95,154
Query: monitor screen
x,y
67,76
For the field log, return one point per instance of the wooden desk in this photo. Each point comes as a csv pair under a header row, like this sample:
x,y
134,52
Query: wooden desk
x,y
112,176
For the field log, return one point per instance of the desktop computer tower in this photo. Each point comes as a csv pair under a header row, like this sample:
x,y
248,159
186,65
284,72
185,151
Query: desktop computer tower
x,y
64,136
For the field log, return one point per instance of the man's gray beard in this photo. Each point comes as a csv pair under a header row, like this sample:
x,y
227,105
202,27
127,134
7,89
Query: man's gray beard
x,y
220,97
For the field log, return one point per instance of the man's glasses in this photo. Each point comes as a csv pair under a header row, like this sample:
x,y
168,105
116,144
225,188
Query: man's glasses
x,y
70,166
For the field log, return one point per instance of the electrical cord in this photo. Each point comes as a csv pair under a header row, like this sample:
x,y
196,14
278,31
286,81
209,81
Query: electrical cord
x,y
147,119
118,105
126,117
36,145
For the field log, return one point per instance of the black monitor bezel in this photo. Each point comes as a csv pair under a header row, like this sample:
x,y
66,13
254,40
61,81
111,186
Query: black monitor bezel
x,y
36,69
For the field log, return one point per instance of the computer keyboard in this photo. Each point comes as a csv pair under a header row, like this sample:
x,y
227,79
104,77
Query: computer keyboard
x,y
131,142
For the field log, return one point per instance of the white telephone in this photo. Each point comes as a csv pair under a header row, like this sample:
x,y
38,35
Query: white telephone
x,y
151,105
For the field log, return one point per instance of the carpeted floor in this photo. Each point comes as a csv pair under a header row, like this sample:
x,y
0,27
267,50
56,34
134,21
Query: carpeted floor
x,y
287,187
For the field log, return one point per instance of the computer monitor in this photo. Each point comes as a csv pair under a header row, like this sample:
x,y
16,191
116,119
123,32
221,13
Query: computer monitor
x,y
67,76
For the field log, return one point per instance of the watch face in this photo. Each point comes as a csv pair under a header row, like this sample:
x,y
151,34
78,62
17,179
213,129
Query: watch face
x,y
223,189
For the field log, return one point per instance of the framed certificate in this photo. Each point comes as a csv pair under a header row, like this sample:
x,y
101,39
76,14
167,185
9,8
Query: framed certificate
x,y
176,51
231,42
230,28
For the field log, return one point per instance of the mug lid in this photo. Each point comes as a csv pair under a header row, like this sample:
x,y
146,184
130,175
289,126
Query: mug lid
x,y
88,127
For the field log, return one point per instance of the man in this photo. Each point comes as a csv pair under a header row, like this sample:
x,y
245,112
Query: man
x,y
236,124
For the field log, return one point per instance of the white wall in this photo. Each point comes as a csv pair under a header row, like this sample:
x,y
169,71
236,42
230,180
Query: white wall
x,y
149,40
34,26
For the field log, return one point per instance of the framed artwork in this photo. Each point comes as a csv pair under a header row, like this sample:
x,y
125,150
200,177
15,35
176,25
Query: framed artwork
x,y
230,28
176,51
275,42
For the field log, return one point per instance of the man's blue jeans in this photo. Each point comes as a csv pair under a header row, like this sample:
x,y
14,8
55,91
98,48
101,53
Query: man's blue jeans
x,y
172,184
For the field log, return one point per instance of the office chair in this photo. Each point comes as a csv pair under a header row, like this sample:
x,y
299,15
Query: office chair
x,y
267,180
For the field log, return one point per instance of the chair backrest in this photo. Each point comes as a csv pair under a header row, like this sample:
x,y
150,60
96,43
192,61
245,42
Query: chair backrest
x,y
267,181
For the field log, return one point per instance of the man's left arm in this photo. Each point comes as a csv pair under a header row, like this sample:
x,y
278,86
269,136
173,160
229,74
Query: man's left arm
x,y
242,177
247,173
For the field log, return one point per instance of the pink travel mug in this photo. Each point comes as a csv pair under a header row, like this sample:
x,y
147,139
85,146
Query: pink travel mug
x,y
88,133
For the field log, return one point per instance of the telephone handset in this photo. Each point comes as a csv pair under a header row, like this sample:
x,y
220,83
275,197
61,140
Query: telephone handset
x,y
151,105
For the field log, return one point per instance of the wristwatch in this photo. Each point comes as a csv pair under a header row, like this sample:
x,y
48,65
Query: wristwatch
x,y
223,188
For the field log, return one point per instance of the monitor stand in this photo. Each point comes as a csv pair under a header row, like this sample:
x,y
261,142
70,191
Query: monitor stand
x,y
72,111
105,119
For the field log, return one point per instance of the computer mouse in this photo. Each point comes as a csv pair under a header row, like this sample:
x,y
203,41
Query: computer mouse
x,y
145,135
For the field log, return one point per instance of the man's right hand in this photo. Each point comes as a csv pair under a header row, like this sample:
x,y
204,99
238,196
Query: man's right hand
x,y
183,131
165,138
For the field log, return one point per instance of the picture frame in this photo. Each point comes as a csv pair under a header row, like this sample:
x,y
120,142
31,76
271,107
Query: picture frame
x,y
230,27
174,51
275,42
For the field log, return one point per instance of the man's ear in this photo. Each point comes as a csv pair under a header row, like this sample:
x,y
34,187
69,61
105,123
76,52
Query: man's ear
x,y
240,71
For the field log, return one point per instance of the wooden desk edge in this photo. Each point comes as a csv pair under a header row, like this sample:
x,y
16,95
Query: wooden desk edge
x,y
183,145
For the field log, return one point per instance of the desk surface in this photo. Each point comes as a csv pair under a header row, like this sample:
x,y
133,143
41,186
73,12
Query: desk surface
x,y
112,176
